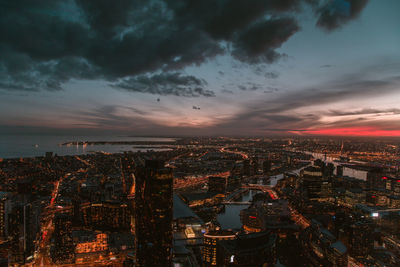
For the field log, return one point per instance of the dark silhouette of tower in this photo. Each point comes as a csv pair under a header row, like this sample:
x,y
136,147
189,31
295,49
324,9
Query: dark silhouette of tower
x,y
153,214
267,166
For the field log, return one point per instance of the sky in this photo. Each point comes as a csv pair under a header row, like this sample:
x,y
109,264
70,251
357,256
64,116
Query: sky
x,y
210,67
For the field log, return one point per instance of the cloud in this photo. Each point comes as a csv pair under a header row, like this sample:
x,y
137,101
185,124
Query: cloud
x,y
43,48
250,87
258,42
326,66
286,111
368,111
166,84
227,91
270,90
334,14
112,117
271,75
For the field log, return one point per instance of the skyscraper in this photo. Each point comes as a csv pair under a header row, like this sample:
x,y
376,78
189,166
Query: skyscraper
x,y
5,205
63,250
314,183
153,214
266,166
20,232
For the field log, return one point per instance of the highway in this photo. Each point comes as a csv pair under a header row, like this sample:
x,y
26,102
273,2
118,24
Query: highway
x,y
42,258
244,155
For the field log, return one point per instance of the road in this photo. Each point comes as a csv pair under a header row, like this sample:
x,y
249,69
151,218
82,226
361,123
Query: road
x,y
244,155
298,218
42,258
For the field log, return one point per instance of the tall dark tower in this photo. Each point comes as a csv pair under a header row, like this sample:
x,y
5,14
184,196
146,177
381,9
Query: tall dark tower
x,y
153,214
312,181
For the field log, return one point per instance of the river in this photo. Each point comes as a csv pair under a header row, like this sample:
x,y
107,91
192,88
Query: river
x,y
230,218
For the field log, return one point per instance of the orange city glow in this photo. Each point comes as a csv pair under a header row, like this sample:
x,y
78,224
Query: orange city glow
x,y
353,131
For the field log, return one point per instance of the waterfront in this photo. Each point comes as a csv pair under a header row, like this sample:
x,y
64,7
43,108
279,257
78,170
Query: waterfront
x,y
15,146
230,218
359,174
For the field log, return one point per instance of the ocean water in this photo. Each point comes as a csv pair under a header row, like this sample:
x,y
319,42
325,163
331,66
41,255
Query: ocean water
x,y
16,146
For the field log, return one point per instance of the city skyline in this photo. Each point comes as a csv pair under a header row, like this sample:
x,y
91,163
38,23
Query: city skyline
x,y
209,68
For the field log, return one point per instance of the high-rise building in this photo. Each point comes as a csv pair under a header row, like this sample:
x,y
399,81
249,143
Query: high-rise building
x,y
267,166
210,251
5,205
255,165
376,178
21,232
361,238
339,170
248,250
322,248
266,214
315,185
16,231
217,184
153,216
64,249
106,216
246,167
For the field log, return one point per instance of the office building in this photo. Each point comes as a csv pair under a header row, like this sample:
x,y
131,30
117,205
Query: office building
x,y
153,216
211,250
217,184
63,251
5,206
248,250
106,216
315,185
267,166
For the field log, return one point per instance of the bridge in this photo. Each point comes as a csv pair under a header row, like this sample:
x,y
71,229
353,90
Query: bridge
x,y
235,203
236,194
263,188
260,187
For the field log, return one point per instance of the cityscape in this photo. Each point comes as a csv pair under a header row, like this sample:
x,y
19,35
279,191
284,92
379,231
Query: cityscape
x,y
226,133
220,201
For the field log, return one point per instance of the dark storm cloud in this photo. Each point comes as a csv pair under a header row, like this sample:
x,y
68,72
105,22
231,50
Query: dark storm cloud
x,y
223,19
258,43
104,15
166,84
336,13
47,43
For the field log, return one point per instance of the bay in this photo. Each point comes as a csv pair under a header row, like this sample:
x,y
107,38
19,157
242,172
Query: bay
x,y
16,146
